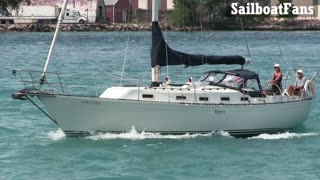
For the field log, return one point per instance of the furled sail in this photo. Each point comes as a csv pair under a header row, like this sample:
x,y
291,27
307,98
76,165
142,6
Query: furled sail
x,y
163,55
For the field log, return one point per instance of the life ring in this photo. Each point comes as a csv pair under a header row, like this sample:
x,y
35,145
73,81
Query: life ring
x,y
310,87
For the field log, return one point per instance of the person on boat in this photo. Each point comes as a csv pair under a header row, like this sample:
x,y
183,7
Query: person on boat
x,y
276,81
298,85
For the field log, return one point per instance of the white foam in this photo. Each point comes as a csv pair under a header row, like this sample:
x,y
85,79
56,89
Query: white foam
x,y
56,135
286,135
134,135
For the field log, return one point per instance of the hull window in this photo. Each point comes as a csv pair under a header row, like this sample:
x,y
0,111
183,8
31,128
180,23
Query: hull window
x,y
225,99
181,98
244,99
203,98
147,96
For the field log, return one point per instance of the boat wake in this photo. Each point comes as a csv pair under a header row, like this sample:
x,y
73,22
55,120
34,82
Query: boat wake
x,y
56,135
134,135
286,135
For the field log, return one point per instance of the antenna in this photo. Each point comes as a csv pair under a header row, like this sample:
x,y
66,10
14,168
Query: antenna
x,y
60,19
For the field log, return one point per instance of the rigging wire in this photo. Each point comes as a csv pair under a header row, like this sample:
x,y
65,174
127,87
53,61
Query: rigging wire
x,y
127,46
285,60
202,46
166,39
122,77
101,70
53,42
201,34
134,37
184,17
246,41
125,58
181,69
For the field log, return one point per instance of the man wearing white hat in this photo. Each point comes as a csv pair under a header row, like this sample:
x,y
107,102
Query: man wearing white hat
x,y
298,85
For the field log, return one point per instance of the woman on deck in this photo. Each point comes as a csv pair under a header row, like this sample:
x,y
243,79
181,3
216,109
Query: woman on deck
x,y
276,82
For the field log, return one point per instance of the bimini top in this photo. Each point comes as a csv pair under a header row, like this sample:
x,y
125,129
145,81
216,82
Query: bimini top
x,y
163,55
244,73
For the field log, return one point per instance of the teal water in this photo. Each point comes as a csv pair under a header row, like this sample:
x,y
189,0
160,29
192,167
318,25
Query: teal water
x,y
32,147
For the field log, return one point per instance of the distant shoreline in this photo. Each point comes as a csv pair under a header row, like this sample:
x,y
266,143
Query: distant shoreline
x,y
293,25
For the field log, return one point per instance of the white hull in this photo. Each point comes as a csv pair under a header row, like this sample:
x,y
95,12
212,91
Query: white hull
x,y
83,114
232,100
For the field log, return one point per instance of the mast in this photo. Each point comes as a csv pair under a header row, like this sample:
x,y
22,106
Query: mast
x,y
155,71
60,19
155,10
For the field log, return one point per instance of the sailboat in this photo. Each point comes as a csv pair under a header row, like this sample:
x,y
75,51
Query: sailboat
x,y
229,100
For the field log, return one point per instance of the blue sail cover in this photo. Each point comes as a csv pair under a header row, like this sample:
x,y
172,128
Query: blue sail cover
x,y
163,55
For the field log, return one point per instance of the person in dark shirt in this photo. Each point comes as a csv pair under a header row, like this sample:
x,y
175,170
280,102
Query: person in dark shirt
x,y
276,81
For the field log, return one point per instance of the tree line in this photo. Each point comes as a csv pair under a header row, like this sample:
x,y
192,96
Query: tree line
x,y
210,12
195,12
5,5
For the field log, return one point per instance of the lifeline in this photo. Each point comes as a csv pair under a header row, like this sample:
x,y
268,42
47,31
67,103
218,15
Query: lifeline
x,y
281,9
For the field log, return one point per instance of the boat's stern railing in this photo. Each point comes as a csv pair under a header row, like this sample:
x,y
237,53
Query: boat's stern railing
x,y
315,76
